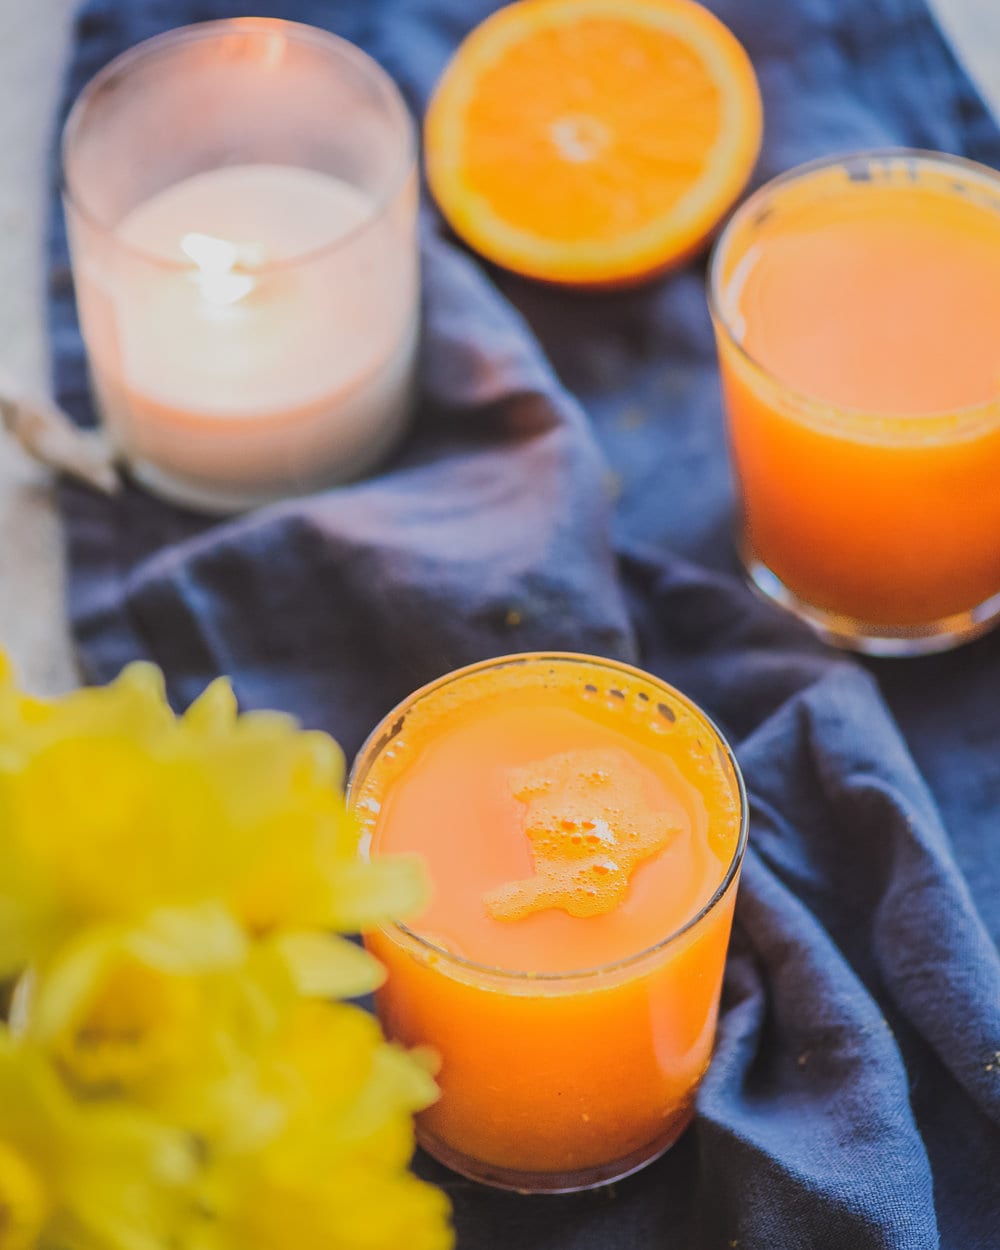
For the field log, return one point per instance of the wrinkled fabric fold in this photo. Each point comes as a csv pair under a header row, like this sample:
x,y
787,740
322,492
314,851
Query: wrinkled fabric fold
x,y
566,486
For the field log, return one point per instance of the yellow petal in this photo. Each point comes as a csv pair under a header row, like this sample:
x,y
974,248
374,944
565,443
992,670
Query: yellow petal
x,y
349,1207
188,939
136,702
400,1080
326,966
214,710
268,726
366,893
55,996
23,1200
324,758
144,679
129,1188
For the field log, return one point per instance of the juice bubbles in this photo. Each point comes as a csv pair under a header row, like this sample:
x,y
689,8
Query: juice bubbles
x,y
857,313
583,826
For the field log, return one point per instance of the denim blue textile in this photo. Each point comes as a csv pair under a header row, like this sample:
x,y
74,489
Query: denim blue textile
x,y
854,1101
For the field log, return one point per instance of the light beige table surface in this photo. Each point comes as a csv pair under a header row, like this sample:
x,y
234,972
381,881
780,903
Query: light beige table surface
x,y
34,38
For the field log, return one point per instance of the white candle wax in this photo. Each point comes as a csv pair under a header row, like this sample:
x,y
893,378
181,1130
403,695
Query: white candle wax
x,y
255,335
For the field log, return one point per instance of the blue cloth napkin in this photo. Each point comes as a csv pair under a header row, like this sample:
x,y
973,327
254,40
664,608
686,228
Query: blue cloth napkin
x,y
854,1100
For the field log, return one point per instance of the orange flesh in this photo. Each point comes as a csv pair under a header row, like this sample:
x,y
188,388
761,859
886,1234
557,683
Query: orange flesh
x,y
552,1077
532,150
883,298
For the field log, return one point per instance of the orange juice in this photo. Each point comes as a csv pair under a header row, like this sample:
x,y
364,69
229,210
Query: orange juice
x,y
857,312
582,825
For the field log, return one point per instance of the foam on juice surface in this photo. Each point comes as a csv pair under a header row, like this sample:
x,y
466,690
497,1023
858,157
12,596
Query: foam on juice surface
x,y
568,818
589,827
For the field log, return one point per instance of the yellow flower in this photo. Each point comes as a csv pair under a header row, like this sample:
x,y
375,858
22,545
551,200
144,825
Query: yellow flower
x,y
334,1172
169,1015
119,1009
174,1014
342,1080
173,892
350,1207
23,1201
304,1112
112,807
77,1178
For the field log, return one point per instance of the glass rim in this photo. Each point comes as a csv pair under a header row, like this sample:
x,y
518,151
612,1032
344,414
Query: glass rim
x,y
132,59
373,744
811,404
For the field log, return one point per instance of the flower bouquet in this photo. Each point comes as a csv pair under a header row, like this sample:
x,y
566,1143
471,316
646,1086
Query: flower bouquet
x,y
177,1068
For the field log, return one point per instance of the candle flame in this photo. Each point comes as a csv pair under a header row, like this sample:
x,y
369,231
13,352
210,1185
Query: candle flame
x,y
217,260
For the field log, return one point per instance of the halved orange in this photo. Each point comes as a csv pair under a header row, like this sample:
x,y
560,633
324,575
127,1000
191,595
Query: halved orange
x,y
592,142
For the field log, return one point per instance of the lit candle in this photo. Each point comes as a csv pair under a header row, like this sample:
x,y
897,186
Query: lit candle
x,y
251,326
583,826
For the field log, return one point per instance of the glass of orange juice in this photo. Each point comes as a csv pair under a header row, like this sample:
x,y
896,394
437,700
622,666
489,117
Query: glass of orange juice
x,y
583,826
856,304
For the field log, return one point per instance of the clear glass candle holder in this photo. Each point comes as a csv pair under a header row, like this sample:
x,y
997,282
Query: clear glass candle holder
x,y
877,523
556,1080
241,205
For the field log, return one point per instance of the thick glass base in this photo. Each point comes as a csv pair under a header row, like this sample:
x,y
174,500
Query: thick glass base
x,y
882,640
227,499
223,466
193,496
569,1182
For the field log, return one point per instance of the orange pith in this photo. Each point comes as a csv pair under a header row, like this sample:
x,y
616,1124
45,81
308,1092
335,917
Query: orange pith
x,y
592,141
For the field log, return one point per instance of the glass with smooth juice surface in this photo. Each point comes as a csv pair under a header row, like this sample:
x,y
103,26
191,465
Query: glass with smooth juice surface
x,y
583,826
856,304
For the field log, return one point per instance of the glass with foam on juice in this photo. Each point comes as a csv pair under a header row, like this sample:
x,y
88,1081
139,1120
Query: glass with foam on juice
x,y
583,826
856,304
